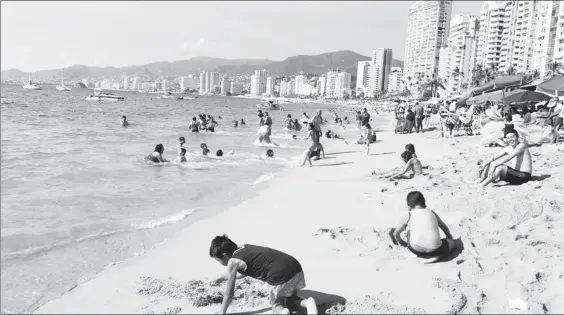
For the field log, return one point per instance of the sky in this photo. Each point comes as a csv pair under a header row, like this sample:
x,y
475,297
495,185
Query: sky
x,y
55,34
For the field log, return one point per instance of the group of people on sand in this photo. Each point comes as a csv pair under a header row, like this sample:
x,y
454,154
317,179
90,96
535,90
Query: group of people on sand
x,y
203,123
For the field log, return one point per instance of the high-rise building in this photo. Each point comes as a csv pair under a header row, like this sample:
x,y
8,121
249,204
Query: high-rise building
x,y
363,77
202,83
126,83
164,86
380,70
518,37
254,85
322,84
549,36
343,84
225,85
260,83
283,89
457,56
208,88
291,88
427,31
331,86
236,88
395,81
488,43
270,81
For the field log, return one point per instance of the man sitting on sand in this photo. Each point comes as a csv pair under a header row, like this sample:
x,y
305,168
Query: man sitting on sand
x,y
280,270
423,237
521,163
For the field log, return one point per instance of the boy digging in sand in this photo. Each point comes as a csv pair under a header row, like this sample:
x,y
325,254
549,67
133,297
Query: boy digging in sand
x,y
280,270
423,238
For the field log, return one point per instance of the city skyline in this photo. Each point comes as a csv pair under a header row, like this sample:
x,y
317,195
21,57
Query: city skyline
x,y
133,33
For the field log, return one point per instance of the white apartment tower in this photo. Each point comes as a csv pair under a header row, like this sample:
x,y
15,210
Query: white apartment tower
x,y
489,42
549,36
459,53
395,81
270,81
380,70
427,31
331,85
202,83
254,86
126,83
362,77
225,85
213,82
343,84
321,85
518,37
259,87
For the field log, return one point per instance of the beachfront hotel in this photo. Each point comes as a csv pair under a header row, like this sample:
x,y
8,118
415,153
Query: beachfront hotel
x,y
459,52
488,45
258,82
380,67
362,77
549,35
428,25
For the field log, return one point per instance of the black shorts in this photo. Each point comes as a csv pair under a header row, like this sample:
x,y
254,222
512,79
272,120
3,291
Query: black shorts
x,y
515,177
442,251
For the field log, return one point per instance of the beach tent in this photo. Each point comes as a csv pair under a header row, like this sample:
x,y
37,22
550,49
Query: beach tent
x,y
524,96
480,100
554,86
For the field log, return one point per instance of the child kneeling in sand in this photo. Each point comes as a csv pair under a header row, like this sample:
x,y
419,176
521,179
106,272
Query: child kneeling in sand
x,y
423,238
280,270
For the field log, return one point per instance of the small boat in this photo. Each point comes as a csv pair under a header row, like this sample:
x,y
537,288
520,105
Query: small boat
x,y
166,96
31,85
186,98
97,96
270,104
62,87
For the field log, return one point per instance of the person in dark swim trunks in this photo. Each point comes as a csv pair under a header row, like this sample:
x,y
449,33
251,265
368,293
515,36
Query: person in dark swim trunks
x,y
157,155
519,157
422,224
194,125
281,271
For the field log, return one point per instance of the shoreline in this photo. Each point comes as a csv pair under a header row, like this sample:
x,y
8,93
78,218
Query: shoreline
x,y
334,218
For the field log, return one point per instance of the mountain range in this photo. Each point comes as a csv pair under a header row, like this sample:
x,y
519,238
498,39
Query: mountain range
x,y
317,64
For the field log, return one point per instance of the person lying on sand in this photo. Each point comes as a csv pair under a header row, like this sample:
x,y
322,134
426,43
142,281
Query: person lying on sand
x,y
157,155
518,154
205,149
281,271
423,236
314,135
412,164
124,121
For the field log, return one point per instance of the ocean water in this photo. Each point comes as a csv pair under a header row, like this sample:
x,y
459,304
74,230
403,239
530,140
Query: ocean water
x,y
76,195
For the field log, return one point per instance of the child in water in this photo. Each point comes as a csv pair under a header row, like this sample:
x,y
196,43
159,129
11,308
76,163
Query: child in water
x,y
423,237
219,153
182,155
205,149
281,271
269,153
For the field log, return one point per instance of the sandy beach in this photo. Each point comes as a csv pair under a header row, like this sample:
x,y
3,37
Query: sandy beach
x,y
335,217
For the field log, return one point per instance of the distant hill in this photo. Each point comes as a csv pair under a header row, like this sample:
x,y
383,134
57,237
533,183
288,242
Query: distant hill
x,y
317,64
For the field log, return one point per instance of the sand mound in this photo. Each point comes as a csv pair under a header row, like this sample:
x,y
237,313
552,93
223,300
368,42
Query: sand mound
x,y
372,305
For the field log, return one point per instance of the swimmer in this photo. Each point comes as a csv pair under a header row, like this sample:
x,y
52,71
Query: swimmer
x,y
219,153
242,122
181,143
182,155
269,153
205,149
124,121
157,155
235,123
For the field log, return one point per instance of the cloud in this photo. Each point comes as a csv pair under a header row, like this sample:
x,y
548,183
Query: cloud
x,y
200,43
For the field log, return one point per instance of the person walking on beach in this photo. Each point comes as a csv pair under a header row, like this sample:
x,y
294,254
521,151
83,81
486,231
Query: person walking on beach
x,y
422,224
281,271
521,163
369,136
314,145
419,116
157,155
364,117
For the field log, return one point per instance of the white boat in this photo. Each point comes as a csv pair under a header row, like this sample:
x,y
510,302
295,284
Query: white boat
x,y
269,104
31,85
97,96
186,98
62,87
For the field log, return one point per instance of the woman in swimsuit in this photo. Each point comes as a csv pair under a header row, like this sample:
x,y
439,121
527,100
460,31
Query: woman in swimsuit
x,y
411,163
314,146
157,155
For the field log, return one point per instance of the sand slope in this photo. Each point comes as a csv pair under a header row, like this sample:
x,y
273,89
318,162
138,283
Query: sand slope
x,y
335,219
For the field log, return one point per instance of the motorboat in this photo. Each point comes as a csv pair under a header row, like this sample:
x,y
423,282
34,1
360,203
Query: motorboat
x,y
98,96
31,85
269,104
62,87
186,98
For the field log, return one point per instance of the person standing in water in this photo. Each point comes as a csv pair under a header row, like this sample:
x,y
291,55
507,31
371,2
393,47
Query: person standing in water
x,y
124,122
268,122
194,125
157,155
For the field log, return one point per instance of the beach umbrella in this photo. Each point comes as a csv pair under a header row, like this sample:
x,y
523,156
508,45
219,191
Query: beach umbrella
x,y
554,86
501,83
522,96
480,100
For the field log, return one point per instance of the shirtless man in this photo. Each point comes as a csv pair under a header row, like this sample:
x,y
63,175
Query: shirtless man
x,y
317,120
521,163
124,121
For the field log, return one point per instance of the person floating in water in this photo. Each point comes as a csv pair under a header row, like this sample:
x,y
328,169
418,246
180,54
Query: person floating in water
x,y
281,271
157,155
205,149
423,237
521,163
124,121
314,135
242,122
269,153
235,123
182,155
219,153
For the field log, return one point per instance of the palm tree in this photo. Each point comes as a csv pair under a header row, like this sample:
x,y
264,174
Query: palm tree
x,y
490,73
457,73
477,75
433,83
